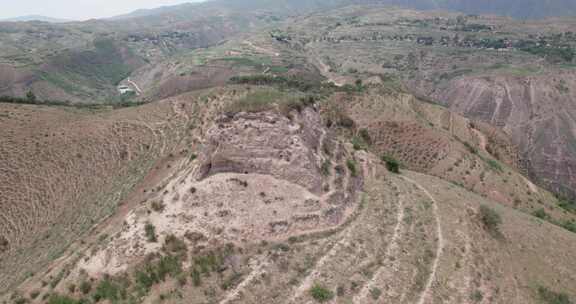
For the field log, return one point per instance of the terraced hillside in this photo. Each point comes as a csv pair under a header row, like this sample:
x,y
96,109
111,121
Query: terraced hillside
x,y
512,74
430,139
65,169
278,206
515,76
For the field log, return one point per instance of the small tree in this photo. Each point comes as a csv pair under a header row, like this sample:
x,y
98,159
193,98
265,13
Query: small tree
x,y
31,97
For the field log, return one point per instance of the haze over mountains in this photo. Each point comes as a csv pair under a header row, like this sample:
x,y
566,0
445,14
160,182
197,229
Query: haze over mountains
x,y
291,151
515,8
34,18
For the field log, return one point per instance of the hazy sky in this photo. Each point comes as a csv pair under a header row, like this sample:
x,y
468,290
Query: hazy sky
x,y
78,9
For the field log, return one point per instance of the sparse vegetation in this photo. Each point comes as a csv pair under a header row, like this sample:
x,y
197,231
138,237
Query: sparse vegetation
x,y
564,203
551,297
321,294
471,148
174,245
108,289
85,287
150,232
271,99
196,277
541,214
352,167
477,296
375,293
392,164
158,206
494,165
156,269
569,225
361,141
325,169
59,299
94,106
490,219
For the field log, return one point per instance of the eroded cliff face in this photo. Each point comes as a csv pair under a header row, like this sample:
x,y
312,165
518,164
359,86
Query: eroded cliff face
x,y
537,112
259,177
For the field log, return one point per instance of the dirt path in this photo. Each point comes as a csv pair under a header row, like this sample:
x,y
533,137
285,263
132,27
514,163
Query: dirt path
x,y
325,70
306,284
258,269
482,138
530,184
138,90
261,49
441,243
392,247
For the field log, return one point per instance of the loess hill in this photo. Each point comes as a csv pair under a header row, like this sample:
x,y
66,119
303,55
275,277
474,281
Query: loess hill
x,y
257,193
364,154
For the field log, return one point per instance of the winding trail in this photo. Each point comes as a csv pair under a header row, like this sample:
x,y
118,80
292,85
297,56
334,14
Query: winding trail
x,y
138,90
441,242
392,246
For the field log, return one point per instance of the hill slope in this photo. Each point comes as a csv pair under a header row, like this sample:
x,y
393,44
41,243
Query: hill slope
x,y
302,217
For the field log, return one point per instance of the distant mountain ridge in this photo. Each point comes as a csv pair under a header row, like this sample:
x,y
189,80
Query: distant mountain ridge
x,y
35,18
521,9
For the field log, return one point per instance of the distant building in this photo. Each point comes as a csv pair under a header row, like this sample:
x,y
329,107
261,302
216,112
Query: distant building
x,y
123,89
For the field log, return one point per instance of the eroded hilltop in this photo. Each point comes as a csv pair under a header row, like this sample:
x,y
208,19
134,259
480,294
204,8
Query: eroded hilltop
x,y
268,195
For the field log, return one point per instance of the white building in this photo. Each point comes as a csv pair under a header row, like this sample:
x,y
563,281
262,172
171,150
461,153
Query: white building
x,y
123,89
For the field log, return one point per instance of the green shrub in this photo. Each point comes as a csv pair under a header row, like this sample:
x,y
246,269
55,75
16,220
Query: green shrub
x,y
174,245
362,141
156,269
495,165
85,287
490,218
58,299
150,232
209,262
352,166
107,290
196,277
567,204
365,135
392,164
540,213
550,297
158,206
477,296
358,143
31,97
375,293
321,294
570,226
325,169
20,300
34,294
